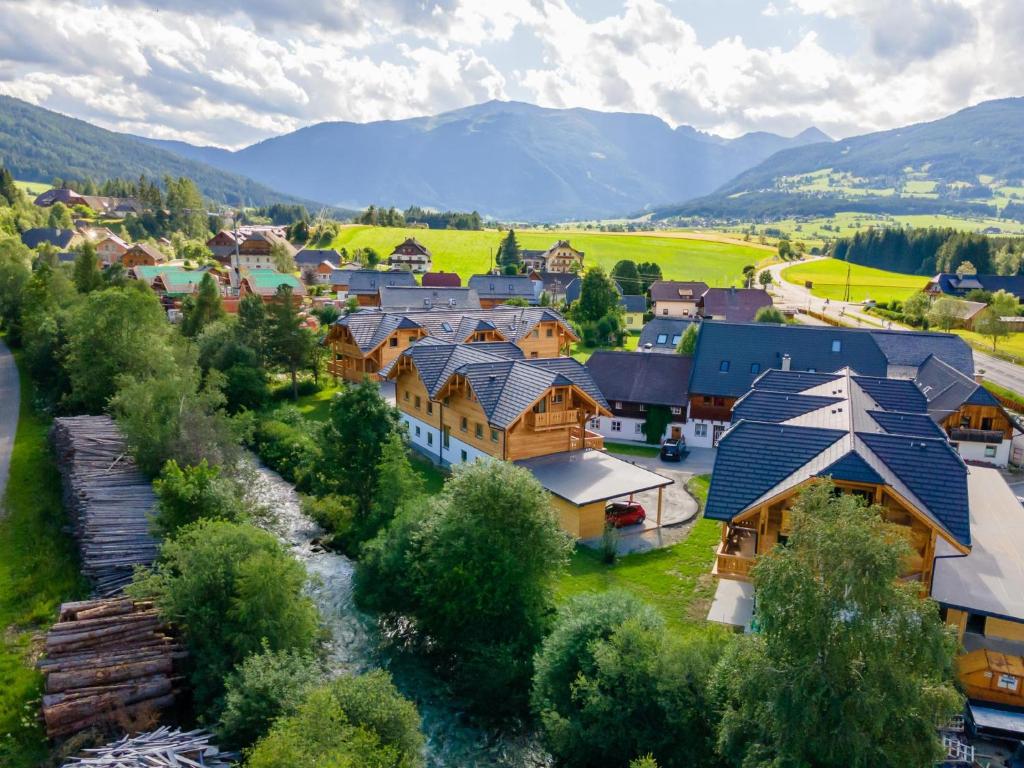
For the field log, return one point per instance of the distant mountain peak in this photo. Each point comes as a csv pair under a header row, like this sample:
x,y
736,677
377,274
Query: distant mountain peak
x,y
813,135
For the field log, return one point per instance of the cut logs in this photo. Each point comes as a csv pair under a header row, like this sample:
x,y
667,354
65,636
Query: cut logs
x,y
162,748
108,500
108,663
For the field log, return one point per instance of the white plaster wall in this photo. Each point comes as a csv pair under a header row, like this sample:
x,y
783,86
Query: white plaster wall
x,y
976,452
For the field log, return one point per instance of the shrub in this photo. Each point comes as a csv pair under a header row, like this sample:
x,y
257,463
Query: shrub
x,y
265,686
289,445
333,513
352,721
194,493
231,589
612,685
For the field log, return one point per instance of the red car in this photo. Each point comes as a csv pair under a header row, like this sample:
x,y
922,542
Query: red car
x,y
622,513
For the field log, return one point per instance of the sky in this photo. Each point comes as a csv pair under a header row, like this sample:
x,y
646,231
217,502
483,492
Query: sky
x,y
232,72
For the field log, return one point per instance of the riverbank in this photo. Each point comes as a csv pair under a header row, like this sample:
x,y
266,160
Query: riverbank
x,y
38,571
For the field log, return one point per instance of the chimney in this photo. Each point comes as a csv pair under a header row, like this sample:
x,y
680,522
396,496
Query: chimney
x,y
979,376
786,362
648,347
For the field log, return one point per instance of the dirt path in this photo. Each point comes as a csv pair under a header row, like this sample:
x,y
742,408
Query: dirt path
x,y
9,402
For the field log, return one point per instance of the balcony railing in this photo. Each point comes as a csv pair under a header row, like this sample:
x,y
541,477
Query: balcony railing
x,y
584,438
553,419
728,566
963,435
346,370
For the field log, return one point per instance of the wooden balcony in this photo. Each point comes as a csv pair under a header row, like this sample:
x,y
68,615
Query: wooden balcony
x,y
583,438
732,566
553,419
345,369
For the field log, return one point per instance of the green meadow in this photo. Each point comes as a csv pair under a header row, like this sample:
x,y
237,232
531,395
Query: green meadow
x,y
469,252
829,281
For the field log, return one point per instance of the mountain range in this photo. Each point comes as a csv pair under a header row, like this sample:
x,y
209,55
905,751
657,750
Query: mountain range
x,y
969,162
509,160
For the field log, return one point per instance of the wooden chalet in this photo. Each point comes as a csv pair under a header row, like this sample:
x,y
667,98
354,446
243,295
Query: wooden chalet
x,y
254,251
142,255
485,401
111,249
410,255
365,342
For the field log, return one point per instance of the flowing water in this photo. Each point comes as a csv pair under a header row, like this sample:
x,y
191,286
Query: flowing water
x,y
357,645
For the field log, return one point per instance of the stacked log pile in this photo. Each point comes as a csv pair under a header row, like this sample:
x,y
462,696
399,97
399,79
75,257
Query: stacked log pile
x,y
108,662
108,499
162,748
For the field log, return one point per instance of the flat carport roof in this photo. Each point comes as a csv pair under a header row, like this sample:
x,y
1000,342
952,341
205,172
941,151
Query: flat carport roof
x,y
583,477
990,580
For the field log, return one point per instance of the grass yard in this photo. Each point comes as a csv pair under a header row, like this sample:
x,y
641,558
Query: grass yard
x,y
633,449
583,353
468,252
829,279
676,580
38,571
1009,345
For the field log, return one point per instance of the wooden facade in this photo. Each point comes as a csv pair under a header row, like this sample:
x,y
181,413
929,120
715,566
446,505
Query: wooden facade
x,y
711,407
757,530
977,419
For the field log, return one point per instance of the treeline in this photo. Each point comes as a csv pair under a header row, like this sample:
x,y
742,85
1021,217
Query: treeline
x,y
929,251
416,216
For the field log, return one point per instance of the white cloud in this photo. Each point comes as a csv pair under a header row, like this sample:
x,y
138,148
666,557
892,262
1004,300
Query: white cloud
x,y
230,72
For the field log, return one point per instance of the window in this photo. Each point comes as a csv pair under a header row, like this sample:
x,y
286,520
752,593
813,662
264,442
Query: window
x,y
550,332
479,431
465,456
638,428
675,339
616,426
618,405
662,338
676,410
700,430
990,451
446,327
557,397
707,399
595,423
417,431
465,424
407,394
719,402
723,366
416,402
494,435
755,367
837,345
534,354
446,438
536,333
430,407
664,311
430,438
393,341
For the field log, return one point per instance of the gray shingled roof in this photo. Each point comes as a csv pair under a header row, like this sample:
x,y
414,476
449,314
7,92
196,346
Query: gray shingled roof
x,y
641,377
738,305
33,238
311,257
371,327
676,290
506,287
946,389
369,281
403,297
669,327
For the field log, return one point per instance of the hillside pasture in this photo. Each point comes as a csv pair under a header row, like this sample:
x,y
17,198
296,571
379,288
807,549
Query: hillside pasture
x,y
469,252
829,281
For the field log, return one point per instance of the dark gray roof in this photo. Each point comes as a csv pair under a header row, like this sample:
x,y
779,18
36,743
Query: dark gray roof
x,y
950,283
641,377
371,327
946,389
633,303
311,257
506,287
893,394
368,281
837,427
738,305
669,327
61,238
505,388
730,356
583,477
676,290
397,298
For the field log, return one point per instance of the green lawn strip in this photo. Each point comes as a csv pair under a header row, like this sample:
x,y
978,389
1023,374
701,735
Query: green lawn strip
x,y
676,580
582,352
1005,393
1010,348
829,281
38,571
632,449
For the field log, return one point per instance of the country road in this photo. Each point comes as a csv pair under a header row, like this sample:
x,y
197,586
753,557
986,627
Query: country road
x,y
9,402
794,296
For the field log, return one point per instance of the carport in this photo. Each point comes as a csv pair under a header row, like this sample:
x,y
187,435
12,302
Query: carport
x,y
582,482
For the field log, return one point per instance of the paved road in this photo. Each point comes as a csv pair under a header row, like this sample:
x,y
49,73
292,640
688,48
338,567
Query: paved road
x,y
9,400
794,296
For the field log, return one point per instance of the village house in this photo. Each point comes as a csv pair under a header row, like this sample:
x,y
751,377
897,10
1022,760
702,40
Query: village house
x,y
498,289
321,275
309,262
633,307
554,284
65,239
254,252
222,245
401,298
672,298
635,384
663,334
949,284
737,305
141,255
112,206
363,343
265,282
560,257
410,255
111,249
470,402
364,284
440,280
729,356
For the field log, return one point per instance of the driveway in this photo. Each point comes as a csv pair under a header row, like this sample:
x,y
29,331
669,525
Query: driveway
x,y
9,401
679,508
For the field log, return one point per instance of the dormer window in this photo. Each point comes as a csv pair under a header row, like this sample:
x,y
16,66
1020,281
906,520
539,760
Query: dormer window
x,y
837,345
755,367
723,366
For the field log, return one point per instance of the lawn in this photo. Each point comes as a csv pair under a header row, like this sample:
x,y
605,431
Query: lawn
x,y
469,252
1009,345
32,188
676,580
829,279
583,353
633,449
38,571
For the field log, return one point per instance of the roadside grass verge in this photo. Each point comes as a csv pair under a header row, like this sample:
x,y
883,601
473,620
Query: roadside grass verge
x,y
828,277
1006,394
1010,348
676,580
38,571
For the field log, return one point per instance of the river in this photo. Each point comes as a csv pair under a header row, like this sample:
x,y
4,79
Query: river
x,y
357,645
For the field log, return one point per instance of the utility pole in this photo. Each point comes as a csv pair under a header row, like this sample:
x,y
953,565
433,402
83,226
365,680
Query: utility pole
x,y
846,293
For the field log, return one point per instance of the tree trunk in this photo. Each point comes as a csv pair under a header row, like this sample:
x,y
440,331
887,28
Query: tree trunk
x,y
295,384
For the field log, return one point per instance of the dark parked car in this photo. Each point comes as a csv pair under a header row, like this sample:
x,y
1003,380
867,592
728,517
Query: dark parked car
x,y
622,513
673,450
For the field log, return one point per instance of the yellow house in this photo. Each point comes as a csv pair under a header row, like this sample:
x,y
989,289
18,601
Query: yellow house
x,y
484,401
